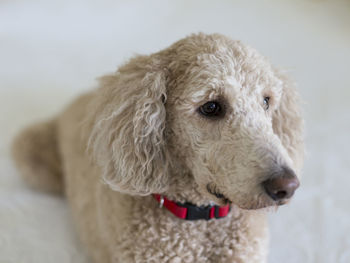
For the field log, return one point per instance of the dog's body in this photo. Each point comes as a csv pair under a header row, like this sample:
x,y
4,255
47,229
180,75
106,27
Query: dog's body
x,y
139,130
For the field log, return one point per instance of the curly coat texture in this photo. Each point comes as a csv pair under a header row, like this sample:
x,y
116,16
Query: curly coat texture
x,y
141,132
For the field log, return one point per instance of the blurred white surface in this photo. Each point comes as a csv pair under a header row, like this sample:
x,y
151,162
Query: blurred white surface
x,y
51,51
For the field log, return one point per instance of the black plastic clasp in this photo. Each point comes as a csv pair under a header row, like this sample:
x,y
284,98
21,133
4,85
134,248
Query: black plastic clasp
x,y
197,212
216,212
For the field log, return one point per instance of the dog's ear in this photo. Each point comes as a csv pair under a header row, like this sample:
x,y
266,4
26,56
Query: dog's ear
x,y
288,122
127,138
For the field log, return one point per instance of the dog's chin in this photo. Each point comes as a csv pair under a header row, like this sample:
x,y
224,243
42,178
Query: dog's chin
x,y
264,204
218,197
222,202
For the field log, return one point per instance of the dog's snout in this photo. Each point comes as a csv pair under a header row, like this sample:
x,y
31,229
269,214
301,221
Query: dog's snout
x,y
281,186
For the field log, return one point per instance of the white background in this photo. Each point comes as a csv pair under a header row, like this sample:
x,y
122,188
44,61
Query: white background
x,y
50,51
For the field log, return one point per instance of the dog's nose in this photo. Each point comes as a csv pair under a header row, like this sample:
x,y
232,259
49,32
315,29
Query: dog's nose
x,y
281,186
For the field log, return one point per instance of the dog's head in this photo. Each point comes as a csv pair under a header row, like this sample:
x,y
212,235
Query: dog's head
x,y
207,105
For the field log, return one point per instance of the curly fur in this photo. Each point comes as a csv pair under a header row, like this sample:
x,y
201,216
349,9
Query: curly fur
x,y
140,133
128,141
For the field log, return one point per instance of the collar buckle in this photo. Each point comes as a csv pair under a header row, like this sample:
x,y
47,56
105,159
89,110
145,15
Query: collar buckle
x,y
197,212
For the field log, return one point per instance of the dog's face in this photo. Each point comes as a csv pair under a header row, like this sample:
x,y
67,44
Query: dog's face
x,y
221,112
209,105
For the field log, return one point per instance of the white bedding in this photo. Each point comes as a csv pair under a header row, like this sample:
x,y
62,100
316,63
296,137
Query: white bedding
x,y
50,51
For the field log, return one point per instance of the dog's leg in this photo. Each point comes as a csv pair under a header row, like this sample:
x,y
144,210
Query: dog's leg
x,y
35,151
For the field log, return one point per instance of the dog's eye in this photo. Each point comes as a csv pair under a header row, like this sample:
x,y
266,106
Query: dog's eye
x,y
211,109
266,103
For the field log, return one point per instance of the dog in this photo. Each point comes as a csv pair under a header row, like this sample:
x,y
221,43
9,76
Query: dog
x,y
174,157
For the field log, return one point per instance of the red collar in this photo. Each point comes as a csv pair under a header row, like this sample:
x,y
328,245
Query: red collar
x,y
190,211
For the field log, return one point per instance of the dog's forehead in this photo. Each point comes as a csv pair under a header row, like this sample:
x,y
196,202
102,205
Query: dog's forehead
x,y
229,73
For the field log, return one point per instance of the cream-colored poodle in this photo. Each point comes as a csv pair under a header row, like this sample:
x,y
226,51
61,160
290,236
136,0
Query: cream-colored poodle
x,y
152,159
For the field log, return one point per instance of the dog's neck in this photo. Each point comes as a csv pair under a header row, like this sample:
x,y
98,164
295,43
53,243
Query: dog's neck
x,y
185,189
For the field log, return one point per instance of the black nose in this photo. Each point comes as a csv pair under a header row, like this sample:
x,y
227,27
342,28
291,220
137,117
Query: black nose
x,y
282,185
